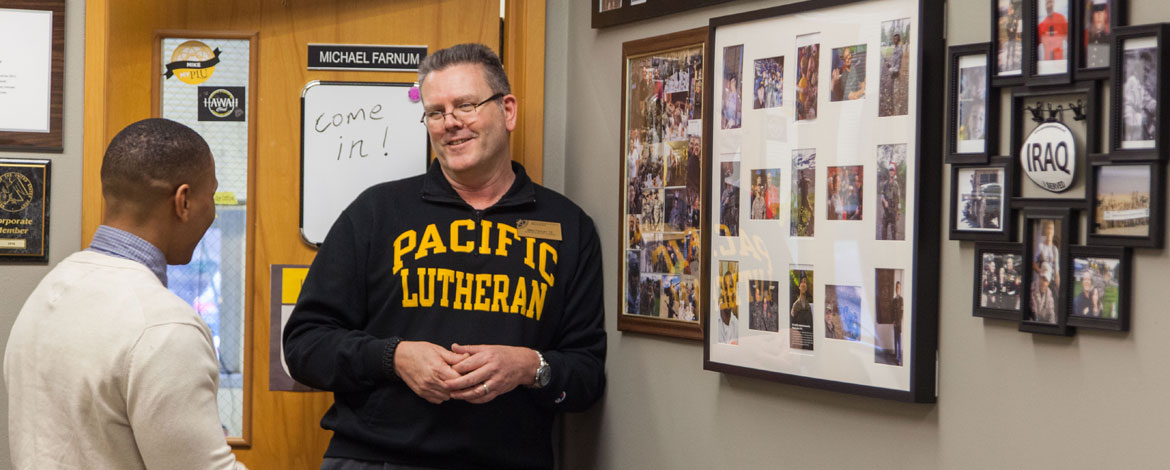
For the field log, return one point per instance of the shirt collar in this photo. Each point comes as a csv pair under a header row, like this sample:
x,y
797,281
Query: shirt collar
x,y
122,244
437,188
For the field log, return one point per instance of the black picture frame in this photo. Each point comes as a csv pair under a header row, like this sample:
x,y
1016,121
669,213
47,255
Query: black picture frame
x,y
1144,149
1093,41
1035,72
1032,217
915,379
960,211
993,289
25,189
1007,25
1126,178
1028,96
966,151
1113,310
628,11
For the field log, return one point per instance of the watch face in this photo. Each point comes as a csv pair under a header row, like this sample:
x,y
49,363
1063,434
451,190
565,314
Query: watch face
x,y
543,376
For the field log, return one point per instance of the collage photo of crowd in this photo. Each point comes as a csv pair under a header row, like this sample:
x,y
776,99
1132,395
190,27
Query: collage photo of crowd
x,y
663,177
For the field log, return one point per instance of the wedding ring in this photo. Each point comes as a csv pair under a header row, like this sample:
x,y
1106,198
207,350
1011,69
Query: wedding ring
x,y
485,389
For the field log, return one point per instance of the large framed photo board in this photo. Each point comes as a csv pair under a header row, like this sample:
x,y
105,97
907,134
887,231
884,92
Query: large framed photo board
x,y
858,189
660,277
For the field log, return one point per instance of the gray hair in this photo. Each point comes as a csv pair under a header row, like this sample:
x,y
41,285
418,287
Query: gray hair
x,y
493,68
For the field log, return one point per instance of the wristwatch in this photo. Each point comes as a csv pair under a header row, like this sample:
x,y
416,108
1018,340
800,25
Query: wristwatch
x,y
543,373
388,357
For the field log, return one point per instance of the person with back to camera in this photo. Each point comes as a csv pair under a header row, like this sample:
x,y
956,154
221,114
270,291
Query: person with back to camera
x,y
453,314
105,367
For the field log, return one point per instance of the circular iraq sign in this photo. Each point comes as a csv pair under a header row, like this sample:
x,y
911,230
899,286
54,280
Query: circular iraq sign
x,y
1049,155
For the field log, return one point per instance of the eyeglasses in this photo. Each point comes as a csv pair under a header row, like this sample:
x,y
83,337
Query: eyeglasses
x,y
463,113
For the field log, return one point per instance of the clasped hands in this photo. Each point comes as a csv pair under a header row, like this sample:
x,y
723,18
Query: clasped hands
x,y
476,374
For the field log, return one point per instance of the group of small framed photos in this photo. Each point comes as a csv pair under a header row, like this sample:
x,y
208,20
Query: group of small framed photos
x,y
1057,60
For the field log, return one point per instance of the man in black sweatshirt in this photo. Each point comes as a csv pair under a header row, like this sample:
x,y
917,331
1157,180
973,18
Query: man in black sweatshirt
x,y
453,314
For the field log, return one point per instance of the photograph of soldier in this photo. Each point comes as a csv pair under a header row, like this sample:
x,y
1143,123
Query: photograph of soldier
x,y
634,233
808,59
685,249
891,207
1051,36
980,199
800,315
732,84
650,295
633,280
1096,33
843,312
971,130
844,188
1122,200
802,203
1139,103
1097,293
1009,31
729,199
1046,282
763,309
694,180
653,209
848,75
656,256
1000,281
765,196
678,209
728,302
676,162
893,98
1043,300
679,294
887,343
769,83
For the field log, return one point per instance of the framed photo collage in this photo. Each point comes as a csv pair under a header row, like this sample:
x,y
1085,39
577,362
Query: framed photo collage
x,y
816,201
779,217
1086,164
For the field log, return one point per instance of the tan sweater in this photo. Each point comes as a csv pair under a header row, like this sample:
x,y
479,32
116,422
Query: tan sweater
x,y
106,368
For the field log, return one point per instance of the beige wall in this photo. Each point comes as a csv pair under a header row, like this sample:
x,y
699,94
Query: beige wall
x,y
1007,399
18,280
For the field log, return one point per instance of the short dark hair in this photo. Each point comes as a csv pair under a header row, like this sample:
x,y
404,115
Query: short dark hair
x,y
493,68
152,157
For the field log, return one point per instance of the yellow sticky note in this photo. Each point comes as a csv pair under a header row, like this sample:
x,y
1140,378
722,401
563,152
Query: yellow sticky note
x,y
291,280
226,198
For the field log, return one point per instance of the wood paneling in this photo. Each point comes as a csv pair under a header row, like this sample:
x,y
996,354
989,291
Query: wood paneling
x,y
524,62
285,429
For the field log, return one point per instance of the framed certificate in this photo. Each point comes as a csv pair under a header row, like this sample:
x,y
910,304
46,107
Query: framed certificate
x,y
32,75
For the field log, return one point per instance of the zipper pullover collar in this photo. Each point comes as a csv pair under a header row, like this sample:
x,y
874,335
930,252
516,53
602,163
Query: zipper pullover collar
x,y
436,188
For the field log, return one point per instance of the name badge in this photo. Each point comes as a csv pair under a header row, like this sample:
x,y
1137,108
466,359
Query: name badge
x,y
538,229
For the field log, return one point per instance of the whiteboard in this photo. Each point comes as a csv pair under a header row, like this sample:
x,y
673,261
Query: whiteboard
x,y
354,135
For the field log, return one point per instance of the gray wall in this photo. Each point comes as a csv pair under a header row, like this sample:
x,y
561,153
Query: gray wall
x,y
18,280
1007,399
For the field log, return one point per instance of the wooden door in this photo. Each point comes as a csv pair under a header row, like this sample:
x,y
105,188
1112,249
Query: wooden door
x,y
284,426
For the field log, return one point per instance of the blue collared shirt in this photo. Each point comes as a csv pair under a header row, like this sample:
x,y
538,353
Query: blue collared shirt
x,y
122,244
